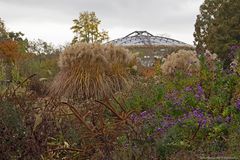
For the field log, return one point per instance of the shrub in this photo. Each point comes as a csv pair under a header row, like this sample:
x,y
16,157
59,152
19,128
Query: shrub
x,y
211,59
183,61
26,124
44,66
91,71
9,52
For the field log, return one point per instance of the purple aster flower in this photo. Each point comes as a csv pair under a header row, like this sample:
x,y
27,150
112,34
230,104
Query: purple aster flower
x,y
233,50
167,117
197,113
160,130
134,117
200,89
200,92
202,122
238,104
200,117
228,119
189,89
167,122
178,103
143,114
219,119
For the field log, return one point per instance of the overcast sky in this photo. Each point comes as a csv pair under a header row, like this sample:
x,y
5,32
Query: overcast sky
x,y
51,20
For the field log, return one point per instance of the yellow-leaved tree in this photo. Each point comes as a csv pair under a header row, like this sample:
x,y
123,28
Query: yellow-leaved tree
x,y
86,29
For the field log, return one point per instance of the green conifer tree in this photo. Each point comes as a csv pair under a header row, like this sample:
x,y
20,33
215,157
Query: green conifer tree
x,y
217,27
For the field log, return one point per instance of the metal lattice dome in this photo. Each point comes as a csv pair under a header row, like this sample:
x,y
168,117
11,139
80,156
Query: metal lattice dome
x,y
140,38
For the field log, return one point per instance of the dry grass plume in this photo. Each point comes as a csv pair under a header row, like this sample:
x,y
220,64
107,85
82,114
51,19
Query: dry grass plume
x,y
92,71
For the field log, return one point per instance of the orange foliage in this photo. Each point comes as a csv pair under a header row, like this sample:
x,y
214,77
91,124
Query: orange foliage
x,y
148,72
9,49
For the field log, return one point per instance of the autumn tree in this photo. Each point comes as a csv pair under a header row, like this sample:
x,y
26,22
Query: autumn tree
x,y
12,45
86,29
217,27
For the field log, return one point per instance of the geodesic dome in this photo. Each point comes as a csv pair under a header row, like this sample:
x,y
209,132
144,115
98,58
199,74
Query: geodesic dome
x,y
140,38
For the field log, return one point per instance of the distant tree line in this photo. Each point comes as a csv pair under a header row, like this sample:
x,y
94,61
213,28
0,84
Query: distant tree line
x,y
14,46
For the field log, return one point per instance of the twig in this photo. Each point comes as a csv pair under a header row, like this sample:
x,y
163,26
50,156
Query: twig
x,y
120,105
195,133
19,85
68,149
79,116
110,108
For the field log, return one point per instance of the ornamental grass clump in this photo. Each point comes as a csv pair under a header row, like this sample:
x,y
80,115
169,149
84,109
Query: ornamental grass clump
x,y
92,71
181,61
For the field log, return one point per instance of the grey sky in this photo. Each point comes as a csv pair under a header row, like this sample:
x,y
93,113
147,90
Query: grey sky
x,y
51,20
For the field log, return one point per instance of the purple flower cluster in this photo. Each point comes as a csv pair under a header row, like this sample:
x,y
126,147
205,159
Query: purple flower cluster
x,y
196,114
228,119
238,104
233,50
174,97
145,115
189,89
220,119
149,119
134,117
168,122
201,118
200,92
